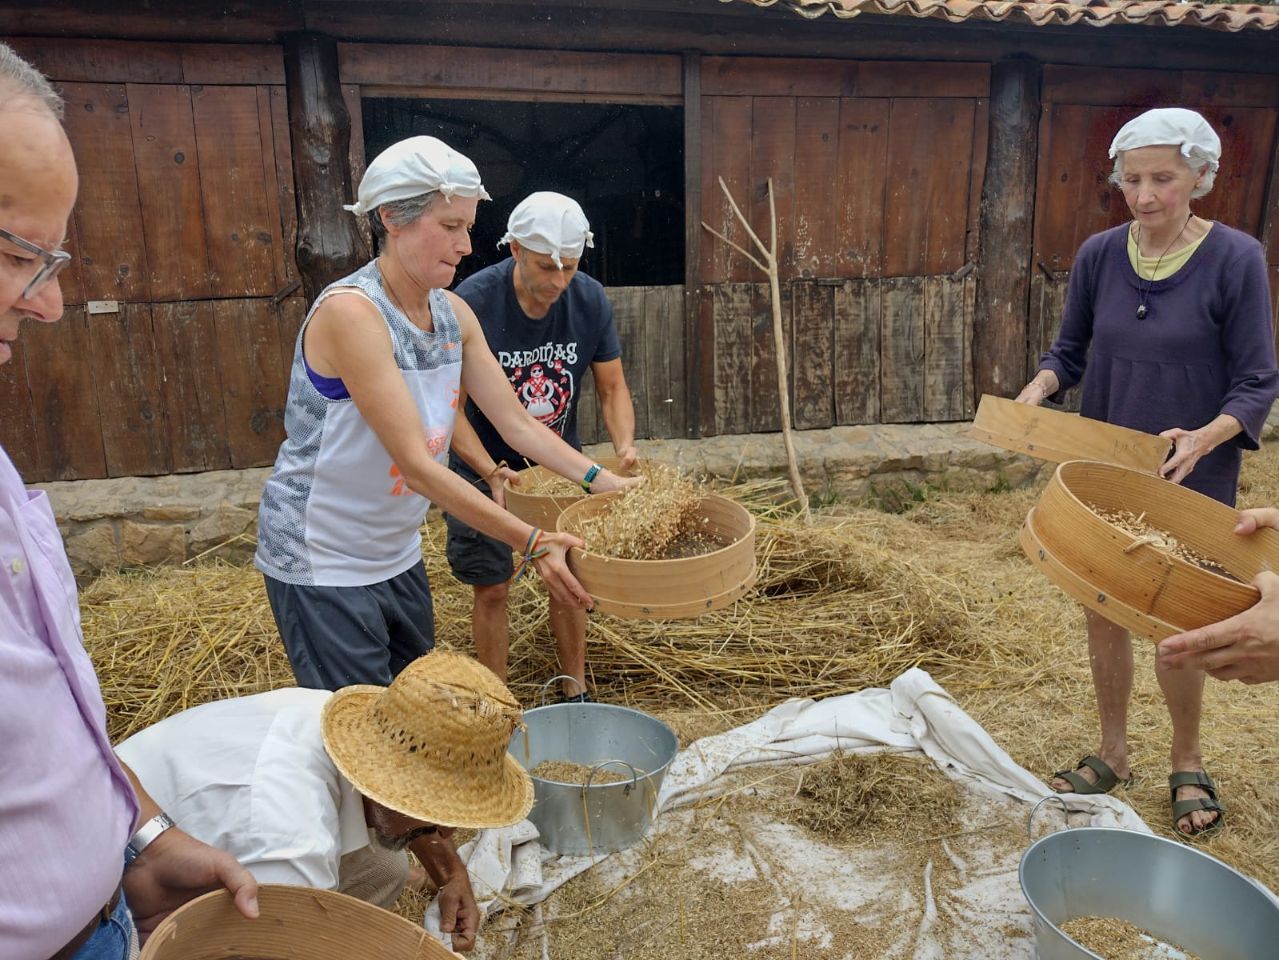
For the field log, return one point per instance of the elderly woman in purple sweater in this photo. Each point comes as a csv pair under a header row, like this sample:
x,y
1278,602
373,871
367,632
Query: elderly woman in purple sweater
x,y
1171,314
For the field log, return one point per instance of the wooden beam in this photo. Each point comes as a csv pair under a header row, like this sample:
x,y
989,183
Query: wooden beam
x,y
1006,224
696,353
329,241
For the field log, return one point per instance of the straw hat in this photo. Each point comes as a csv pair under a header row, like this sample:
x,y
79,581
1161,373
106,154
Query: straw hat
x,y
432,745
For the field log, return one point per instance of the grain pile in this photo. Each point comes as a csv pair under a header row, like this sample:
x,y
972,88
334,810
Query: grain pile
x,y
578,774
1114,939
1135,525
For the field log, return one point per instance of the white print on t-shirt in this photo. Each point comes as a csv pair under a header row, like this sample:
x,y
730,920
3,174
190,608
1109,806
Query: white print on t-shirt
x,y
546,353
546,388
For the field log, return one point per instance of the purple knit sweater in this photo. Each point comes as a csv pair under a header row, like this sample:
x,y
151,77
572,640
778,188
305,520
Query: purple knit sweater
x,y
1206,346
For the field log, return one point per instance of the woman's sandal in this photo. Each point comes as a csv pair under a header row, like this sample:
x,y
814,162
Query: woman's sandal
x,y
1180,808
1107,779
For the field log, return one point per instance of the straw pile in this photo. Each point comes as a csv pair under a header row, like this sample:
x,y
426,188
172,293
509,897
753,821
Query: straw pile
x,y
656,520
847,602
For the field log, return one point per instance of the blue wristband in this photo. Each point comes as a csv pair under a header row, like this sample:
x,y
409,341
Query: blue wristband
x,y
591,474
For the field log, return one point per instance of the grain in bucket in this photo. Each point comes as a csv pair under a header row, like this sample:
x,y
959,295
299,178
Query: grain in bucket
x,y
296,923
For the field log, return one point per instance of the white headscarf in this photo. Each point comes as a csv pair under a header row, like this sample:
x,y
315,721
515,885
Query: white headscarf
x,y
413,167
1173,126
550,223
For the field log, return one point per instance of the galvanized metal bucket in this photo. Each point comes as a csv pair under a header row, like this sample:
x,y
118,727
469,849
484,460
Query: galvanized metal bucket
x,y
595,818
1177,894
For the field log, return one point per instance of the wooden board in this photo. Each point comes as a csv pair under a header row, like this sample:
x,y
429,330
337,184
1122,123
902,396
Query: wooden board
x,y
629,319
778,77
63,393
901,363
926,214
663,360
1054,436
732,320
814,219
731,162
168,173
812,350
772,150
945,349
254,370
239,232
1047,304
127,379
18,434
191,388
763,402
654,76
858,308
861,179
108,213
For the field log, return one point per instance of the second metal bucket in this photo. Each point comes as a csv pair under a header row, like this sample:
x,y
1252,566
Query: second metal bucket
x,y
1177,894
600,817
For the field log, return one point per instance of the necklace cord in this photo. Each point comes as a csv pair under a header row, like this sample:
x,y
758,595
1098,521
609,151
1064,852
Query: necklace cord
x,y
1142,310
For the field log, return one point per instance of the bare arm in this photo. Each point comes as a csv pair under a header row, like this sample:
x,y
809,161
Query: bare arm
x,y
176,867
617,408
466,444
459,914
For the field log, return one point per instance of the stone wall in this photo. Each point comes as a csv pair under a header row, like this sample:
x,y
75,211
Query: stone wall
x,y
145,521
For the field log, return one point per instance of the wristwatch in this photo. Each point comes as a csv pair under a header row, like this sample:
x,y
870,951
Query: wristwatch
x,y
145,835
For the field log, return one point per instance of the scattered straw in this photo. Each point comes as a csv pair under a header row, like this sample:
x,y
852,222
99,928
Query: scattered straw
x,y
656,520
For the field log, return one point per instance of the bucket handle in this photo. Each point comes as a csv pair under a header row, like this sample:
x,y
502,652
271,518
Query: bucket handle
x,y
541,698
604,763
1030,817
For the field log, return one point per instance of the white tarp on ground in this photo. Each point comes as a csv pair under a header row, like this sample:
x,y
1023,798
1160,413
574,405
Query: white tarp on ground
x,y
914,715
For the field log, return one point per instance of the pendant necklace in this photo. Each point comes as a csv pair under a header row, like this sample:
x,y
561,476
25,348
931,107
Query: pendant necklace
x,y
1142,310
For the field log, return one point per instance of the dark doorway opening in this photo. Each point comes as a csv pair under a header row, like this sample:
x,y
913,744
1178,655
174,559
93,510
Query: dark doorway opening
x,y
623,163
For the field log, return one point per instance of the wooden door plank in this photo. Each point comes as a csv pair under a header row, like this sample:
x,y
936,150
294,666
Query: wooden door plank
x,y
71,60
762,398
815,218
732,318
272,188
231,63
186,344
18,435
943,349
702,376
677,385
63,394
981,147
629,319
239,231
731,163
919,78
772,146
929,164
127,378
971,399
1047,302
1239,194
254,388
70,279
901,385
355,156
812,349
861,182
659,346
778,77
858,310
108,213
169,190
589,422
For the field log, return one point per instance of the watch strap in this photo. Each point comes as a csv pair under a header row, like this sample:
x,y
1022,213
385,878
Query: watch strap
x,y
145,835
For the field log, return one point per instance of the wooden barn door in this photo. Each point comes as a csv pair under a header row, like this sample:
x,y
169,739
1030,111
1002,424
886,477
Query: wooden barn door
x,y
876,170
173,353
1083,108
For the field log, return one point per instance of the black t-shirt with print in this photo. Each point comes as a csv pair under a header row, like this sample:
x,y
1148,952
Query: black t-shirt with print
x,y
545,359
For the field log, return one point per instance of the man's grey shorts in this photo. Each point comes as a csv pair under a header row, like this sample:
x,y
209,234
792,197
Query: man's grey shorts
x,y
474,557
338,636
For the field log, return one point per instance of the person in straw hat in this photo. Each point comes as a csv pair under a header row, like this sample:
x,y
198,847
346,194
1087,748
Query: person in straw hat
x,y
1171,314
379,366
329,790
85,854
1246,646
548,324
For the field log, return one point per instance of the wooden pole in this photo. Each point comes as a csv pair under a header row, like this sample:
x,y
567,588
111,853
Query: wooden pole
x,y
767,262
329,242
1006,230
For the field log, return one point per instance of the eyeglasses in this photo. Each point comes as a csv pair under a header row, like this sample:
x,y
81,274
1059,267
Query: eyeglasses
x,y
51,262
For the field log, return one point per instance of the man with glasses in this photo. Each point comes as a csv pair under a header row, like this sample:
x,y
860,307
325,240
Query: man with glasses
x,y
286,780
69,813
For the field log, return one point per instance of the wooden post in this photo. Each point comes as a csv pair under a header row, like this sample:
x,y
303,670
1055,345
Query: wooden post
x,y
1006,231
329,242
1269,235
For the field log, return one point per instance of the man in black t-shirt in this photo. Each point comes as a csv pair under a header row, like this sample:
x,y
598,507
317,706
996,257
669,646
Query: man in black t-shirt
x,y
547,324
